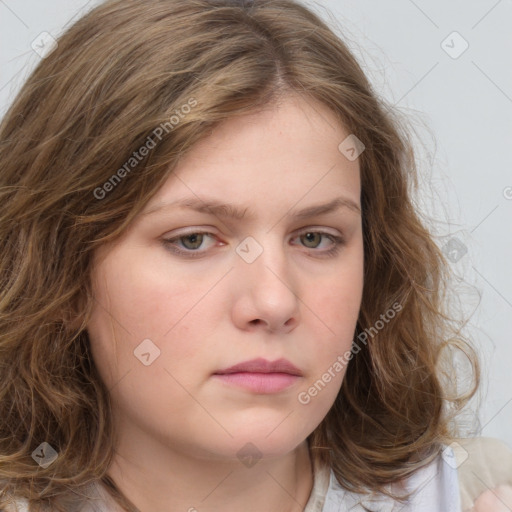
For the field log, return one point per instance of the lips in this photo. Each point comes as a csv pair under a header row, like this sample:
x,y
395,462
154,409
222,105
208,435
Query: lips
x,y
260,376
261,365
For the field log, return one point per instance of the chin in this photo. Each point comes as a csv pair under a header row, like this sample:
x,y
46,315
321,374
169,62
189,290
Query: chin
x,y
249,447
263,445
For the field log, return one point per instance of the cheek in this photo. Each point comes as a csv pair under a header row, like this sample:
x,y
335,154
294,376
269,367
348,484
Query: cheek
x,y
335,305
131,308
336,299
135,300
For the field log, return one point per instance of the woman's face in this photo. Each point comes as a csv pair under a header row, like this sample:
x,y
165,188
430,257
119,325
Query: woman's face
x,y
188,292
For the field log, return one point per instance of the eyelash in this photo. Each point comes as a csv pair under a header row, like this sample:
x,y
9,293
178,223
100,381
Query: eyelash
x,y
189,253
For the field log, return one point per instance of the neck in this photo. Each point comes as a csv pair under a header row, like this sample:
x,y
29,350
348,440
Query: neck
x,y
159,480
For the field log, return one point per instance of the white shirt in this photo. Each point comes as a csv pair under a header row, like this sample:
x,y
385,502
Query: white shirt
x,y
448,484
434,488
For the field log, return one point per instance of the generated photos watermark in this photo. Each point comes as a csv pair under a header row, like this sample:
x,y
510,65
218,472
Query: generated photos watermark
x,y
144,150
304,397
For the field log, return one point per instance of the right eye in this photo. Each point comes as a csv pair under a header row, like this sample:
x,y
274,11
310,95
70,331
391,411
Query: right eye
x,y
187,244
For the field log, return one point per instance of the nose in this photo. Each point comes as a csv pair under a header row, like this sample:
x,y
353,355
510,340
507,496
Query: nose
x,y
266,294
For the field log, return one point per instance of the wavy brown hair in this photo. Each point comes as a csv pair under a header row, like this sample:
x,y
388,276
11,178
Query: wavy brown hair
x,y
116,76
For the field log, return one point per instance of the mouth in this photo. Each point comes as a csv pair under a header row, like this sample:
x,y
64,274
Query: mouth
x,y
261,365
261,376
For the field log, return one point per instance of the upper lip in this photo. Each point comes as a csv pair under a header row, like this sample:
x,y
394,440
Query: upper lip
x,y
261,365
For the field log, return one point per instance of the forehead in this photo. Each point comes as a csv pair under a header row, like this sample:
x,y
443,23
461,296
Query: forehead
x,y
303,125
281,154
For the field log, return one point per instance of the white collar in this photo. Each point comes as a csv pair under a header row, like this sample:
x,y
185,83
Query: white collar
x,y
434,488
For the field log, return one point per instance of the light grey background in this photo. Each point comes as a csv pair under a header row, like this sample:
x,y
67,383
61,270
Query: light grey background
x,y
459,105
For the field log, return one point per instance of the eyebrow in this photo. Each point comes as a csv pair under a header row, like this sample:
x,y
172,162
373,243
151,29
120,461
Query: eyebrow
x,y
226,210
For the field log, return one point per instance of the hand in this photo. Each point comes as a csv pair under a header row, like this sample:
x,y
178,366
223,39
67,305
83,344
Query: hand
x,y
498,499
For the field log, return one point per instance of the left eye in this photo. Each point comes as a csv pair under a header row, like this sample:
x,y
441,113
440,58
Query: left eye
x,y
187,245
314,238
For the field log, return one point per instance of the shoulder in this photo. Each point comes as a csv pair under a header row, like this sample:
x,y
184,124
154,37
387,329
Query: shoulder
x,y
433,486
453,480
482,463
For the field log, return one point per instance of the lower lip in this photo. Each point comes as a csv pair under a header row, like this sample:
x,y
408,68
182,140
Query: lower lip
x,y
259,382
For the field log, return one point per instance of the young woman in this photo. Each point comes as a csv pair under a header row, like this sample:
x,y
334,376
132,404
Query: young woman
x,y
216,293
